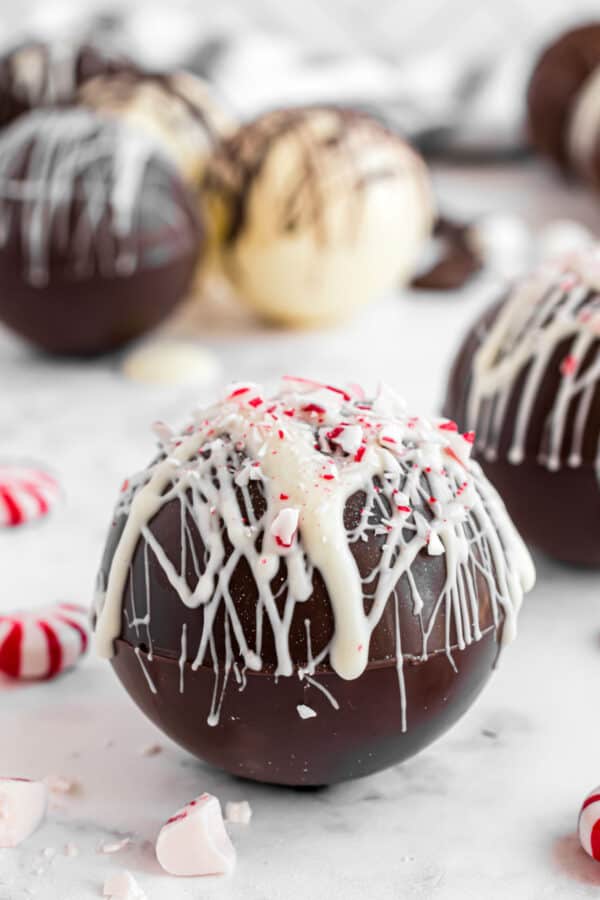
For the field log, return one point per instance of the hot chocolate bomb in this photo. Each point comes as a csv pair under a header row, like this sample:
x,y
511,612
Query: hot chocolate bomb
x,y
563,101
316,211
99,237
310,587
527,380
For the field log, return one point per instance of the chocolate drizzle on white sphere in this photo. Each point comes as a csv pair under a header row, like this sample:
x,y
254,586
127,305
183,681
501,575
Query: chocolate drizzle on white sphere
x,y
317,211
88,203
326,501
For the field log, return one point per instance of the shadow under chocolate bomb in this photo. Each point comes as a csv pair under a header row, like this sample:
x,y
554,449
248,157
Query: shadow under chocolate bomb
x,y
310,653
98,235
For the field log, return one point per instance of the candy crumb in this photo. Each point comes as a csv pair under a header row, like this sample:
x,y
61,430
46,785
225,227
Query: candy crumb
x,y
238,813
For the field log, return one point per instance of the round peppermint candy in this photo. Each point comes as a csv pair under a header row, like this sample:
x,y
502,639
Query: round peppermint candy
x,y
26,493
589,824
42,642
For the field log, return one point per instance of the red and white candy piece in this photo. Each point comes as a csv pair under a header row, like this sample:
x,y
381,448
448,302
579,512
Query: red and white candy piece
x,y
22,809
589,824
42,642
285,527
26,494
194,840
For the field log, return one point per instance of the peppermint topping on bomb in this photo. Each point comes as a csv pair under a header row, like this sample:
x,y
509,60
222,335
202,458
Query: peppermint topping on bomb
x,y
27,493
316,211
263,483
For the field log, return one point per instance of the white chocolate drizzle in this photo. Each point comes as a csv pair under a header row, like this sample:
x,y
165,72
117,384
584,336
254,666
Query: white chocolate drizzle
x,y
422,492
558,305
74,185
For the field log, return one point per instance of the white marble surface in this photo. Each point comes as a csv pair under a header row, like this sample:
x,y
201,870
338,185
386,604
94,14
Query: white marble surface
x,y
488,812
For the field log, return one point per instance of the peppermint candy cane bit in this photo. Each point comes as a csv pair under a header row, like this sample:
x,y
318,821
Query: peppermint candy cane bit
x,y
588,825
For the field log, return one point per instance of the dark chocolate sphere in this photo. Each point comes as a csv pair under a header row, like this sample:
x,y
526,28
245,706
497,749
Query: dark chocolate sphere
x,y
561,75
525,381
99,237
242,669
38,74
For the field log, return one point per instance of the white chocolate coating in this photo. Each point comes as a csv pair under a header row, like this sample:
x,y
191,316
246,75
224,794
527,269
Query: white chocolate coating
x,y
335,212
421,490
559,303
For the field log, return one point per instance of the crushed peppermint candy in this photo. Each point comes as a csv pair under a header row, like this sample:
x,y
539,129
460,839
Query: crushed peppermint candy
x,y
285,527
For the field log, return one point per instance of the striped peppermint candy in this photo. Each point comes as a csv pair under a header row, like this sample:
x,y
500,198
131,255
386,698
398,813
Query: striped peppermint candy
x,y
42,642
589,824
26,493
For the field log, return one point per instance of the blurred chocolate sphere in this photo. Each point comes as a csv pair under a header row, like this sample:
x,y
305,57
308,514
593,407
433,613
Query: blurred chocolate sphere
x,y
563,101
98,235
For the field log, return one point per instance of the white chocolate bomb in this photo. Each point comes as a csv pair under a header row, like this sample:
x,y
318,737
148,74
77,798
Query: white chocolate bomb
x,y
317,212
177,110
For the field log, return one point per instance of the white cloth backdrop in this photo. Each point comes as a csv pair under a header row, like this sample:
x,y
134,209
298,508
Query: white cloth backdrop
x,y
450,72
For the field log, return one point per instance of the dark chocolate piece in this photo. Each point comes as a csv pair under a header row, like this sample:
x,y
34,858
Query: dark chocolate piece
x,y
457,261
